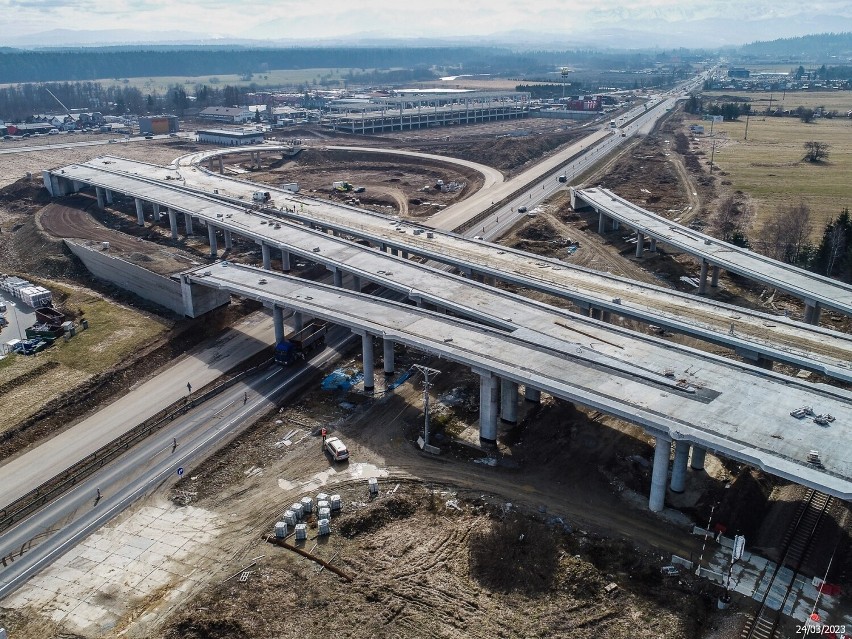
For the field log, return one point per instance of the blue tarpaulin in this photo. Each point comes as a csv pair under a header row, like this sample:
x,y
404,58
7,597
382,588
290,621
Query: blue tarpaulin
x,y
340,379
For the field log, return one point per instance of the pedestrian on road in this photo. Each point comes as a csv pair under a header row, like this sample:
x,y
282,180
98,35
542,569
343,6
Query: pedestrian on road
x,y
99,493
174,443
324,433
188,387
245,398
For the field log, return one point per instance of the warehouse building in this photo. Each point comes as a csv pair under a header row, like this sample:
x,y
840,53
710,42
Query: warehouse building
x,y
158,124
234,137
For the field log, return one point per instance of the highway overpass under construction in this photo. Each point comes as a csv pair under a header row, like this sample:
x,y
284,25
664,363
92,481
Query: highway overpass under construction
x,y
758,337
705,402
814,290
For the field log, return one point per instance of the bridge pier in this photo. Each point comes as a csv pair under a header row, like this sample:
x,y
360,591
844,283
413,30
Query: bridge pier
x,y
298,321
653,247
99,192
388,345
156,212
211,237
229,242
640,244
532,395
337,277
266,255
487,407
187,220
714,278
508,401
678,483
356,283
278,323
108,196
221,165
659,474
367,359
698,454
173,223
140,212
285,260
601,223
812,312
702,280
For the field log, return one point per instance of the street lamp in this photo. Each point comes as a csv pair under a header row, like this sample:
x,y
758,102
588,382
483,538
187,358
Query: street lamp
x,y
15,313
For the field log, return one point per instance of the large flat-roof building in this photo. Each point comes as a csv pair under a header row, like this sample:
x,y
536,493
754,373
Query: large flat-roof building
x,y
229,137
234,115
158,124
420,108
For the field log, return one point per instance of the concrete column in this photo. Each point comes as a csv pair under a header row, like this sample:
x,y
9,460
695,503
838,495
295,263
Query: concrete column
x,y
100,193
616,225
278,323
285,260
697,461
702,281
679,467
640,244
367,358
337,276
508,401
229,241
601,223
532,394
221,165
140,212
298,321
356,283
108,196
653,248
487,408
173,224
660,474
388,355
714,277
156,212
211,236
266,255
187,219
812,311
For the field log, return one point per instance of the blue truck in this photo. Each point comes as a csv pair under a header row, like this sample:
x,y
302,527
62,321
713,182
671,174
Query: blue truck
x,y
297,344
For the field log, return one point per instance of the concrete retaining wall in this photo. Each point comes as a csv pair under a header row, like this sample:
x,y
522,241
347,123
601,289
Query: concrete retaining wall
x,y
146,284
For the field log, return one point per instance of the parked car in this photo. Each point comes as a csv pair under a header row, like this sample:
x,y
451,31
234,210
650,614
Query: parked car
x,y
336,448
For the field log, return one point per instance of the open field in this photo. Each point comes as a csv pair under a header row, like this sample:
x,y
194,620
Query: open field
x,y
770,170
840,101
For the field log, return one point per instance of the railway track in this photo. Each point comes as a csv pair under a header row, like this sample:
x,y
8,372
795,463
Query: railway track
x,y
797,544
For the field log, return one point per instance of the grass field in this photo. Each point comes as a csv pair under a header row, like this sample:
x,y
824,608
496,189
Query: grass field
x,y
769,166
840,101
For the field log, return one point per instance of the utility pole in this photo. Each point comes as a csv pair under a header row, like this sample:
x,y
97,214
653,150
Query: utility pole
x,y
745,137
427,384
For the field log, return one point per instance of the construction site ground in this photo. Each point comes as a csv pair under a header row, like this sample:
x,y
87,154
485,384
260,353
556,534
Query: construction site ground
x,y
439,552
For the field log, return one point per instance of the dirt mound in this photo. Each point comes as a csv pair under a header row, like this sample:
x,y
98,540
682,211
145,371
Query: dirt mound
x,y
377,515
19,197
208,629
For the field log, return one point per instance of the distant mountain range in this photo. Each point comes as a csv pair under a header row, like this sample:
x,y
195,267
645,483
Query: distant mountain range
x,y
630,29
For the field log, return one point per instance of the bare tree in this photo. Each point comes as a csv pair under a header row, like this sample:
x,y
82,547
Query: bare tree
x,y
730,217
836,246
785,236
816,151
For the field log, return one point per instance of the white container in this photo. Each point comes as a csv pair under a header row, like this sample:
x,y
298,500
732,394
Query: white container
x,y
324,527
373,484
307,505
301,532
321,497
298,510
280,530
323,504
324,513
336,503
290,518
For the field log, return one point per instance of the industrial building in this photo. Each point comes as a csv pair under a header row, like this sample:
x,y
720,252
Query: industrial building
x,y
227,137
420,108
232,115
158,124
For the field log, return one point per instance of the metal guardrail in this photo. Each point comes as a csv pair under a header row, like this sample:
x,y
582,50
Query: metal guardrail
x,y
57,485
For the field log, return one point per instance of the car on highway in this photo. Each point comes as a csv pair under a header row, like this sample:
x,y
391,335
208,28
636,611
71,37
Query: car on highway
x,y
522,209
149,137
336,448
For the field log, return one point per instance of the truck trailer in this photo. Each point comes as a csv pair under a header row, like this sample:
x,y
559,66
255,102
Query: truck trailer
x,y
297,344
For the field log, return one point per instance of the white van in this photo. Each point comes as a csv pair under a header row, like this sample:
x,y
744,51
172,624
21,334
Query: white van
x,y
53,132
337,449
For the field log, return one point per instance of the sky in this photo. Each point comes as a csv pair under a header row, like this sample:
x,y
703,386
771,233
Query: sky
x,y
291,19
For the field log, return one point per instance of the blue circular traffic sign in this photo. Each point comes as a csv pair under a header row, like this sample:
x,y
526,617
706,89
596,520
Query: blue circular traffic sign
x,y
180,471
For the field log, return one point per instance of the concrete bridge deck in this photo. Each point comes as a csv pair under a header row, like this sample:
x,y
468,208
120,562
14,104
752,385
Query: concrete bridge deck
x,y
738,411
751,333
815,290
